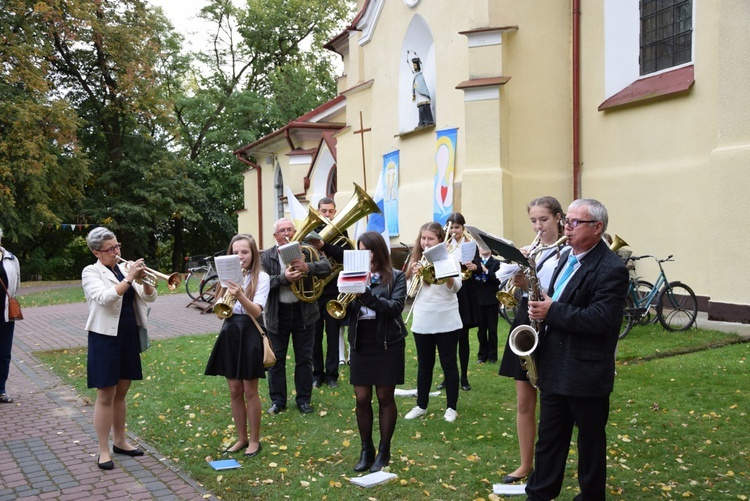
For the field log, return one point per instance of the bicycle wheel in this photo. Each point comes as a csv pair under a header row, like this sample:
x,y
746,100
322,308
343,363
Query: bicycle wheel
x,y
208,288
649,316
628,317
193,282
676,306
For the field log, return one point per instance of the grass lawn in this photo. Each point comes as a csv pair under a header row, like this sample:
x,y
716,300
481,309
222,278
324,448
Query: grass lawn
x,y
678,426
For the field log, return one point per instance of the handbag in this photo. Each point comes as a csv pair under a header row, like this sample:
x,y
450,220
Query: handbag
x,y
14,307
269,357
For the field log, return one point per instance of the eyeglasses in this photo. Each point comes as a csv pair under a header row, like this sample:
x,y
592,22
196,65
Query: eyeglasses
x,y
111,249
285,230
573,223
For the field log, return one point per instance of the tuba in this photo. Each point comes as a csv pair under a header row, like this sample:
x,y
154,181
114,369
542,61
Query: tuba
x,y
151,277
524,339
359,206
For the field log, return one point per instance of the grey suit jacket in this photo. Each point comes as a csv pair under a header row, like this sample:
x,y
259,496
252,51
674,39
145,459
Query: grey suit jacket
x,y
576,354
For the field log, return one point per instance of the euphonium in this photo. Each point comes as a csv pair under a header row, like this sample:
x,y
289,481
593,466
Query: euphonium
x,y
151,277
524,339
337,307
308,289
224,306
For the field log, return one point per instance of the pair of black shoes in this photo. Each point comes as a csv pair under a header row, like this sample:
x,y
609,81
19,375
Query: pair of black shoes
x,y
368,461
110,465
464,386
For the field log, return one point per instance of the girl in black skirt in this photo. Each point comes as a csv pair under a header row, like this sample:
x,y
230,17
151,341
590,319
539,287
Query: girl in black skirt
x,y
117,306
238,352
376,340
546,216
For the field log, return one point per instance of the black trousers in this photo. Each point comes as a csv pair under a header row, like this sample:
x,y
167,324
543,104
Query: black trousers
x,y
327,327
291,326
446,344
557,416
487,333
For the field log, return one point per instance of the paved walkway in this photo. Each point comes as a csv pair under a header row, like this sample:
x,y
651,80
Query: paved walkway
x,y
47,438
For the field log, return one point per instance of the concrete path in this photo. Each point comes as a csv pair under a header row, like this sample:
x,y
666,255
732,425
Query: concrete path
x,y
47,438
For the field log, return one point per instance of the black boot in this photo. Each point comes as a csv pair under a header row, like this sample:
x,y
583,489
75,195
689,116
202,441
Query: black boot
x,y
366,457
384,457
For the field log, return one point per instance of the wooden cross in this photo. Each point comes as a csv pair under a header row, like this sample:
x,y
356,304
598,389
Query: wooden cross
x,y
362,131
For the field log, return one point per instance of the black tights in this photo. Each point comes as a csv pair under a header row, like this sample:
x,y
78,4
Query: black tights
x,y
387,414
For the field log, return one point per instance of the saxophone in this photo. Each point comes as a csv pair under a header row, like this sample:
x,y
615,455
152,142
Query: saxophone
x,y
524,339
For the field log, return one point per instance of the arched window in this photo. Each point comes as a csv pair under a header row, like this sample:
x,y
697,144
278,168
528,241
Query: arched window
x,y
332,183
278,186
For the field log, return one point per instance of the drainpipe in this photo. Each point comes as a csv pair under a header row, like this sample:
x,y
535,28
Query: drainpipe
x,y
576,99
259,236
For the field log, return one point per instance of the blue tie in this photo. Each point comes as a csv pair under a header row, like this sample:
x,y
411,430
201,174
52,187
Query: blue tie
x,y
569,267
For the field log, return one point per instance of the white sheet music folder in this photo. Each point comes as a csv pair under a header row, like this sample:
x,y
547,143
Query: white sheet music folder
x,y
289,252
356,273
445,265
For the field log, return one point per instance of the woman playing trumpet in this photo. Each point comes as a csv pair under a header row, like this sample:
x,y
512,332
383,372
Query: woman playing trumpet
x,y
117,305
238,352
546,216
436,325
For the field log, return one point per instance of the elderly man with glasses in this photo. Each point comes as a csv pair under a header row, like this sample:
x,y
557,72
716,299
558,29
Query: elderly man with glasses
x,y
576,355
286,316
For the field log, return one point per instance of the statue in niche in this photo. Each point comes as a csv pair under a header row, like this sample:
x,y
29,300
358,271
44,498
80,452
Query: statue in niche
x,y
421,94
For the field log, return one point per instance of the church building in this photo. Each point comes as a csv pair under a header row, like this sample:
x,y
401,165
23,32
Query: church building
x,y
479,106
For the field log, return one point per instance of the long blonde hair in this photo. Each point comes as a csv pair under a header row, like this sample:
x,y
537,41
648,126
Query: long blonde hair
x,y
255,266
416,254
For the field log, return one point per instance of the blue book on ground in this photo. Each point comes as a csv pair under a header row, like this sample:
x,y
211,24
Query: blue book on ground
x,y
224,464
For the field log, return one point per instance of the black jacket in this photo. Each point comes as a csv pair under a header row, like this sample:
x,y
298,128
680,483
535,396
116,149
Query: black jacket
x,y
577,347
388,305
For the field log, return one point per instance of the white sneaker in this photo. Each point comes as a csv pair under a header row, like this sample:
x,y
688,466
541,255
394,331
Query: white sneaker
x,y
450,415
415,413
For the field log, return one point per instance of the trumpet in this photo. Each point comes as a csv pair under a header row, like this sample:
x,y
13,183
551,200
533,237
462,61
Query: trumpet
x,y
337,307
151,277
224,307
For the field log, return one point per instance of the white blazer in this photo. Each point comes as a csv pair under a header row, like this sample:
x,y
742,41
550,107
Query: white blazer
x,y
13,271
105,304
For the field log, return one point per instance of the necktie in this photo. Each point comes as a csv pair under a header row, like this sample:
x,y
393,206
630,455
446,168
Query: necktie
x,y
565,275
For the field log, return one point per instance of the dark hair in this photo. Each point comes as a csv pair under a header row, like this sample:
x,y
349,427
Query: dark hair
x,y
457,218
255,267
551,204
381,259
327,201
416,254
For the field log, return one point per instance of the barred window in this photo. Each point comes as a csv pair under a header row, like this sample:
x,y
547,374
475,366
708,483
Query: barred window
x,y
666,34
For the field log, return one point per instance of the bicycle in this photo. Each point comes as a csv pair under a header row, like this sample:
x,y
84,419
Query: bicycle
x,y
201,280
673,304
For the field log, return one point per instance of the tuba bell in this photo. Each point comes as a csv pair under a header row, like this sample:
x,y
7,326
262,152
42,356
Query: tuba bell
x,y
308,289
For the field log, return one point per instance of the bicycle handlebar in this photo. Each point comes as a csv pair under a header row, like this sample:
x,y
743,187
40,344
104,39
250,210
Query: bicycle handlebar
x,y
668,258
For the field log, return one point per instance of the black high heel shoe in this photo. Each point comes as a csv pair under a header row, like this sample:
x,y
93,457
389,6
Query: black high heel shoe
x,y
384,457
366,457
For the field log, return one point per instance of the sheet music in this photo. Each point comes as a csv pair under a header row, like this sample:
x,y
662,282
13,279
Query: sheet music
x,y
356,262
499,246
445,265
289,252
468,251
229,268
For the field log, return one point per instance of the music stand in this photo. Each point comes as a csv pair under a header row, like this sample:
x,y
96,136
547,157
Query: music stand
x,y
499,246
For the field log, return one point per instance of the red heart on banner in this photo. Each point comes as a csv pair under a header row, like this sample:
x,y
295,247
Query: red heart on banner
x,y
443,192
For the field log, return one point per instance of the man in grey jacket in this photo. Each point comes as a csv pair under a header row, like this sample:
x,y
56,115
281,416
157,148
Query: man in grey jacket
x,y
286,316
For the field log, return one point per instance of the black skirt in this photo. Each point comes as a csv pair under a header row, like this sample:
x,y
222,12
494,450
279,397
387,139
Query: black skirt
x,y
371,364
510,365
238,351
112,358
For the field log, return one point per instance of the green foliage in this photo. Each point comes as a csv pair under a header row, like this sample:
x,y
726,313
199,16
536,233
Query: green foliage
x,y
677,428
